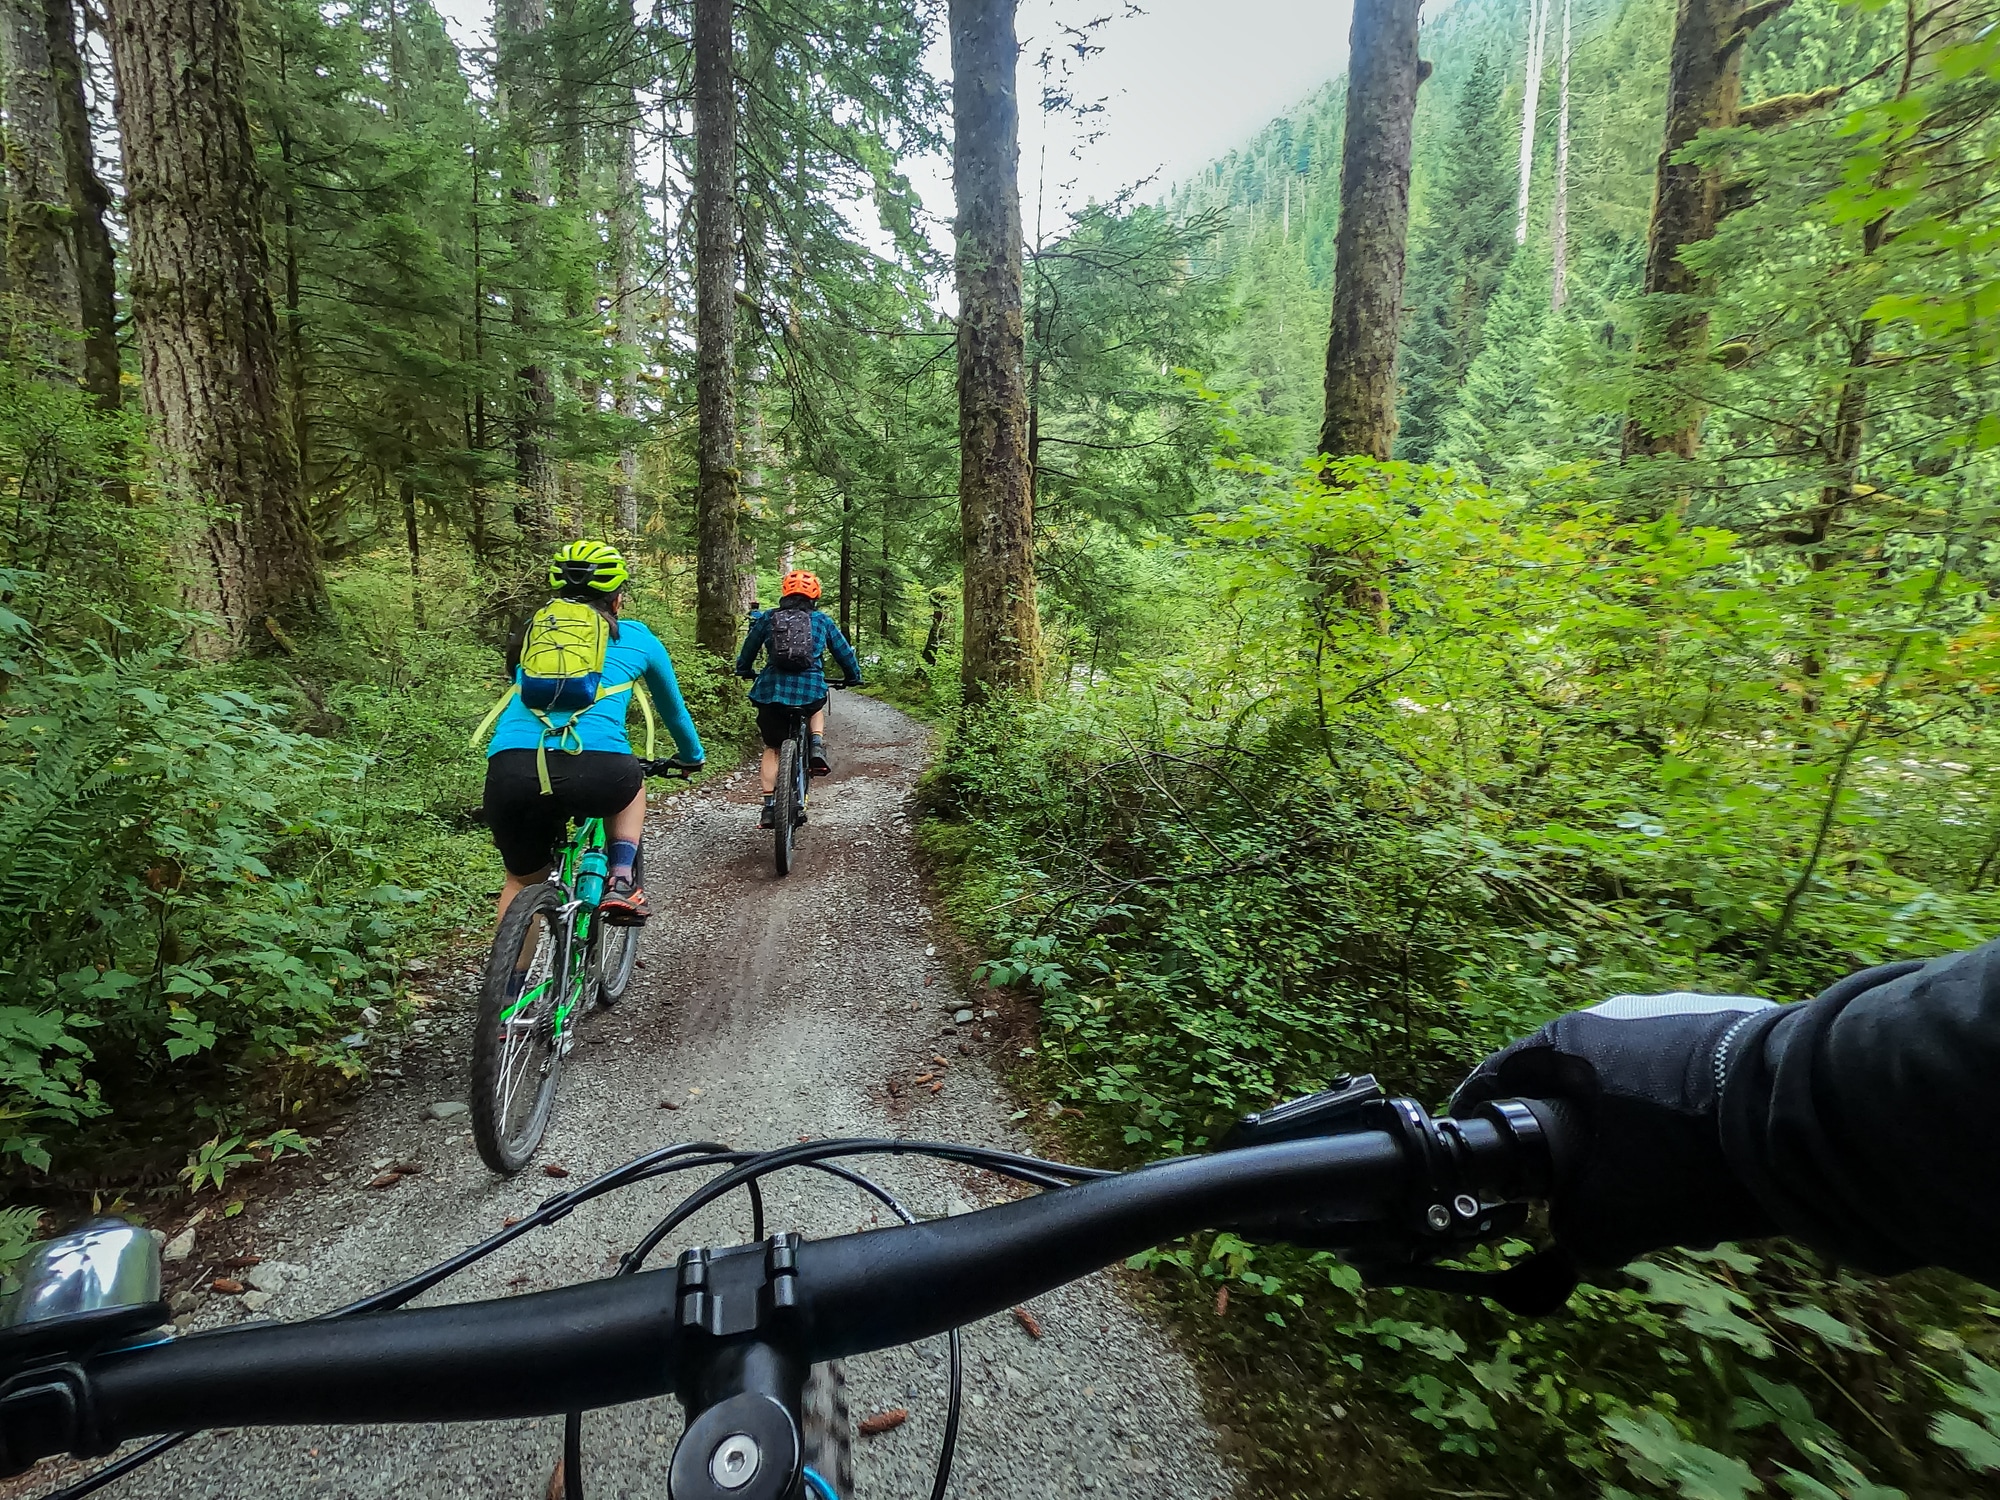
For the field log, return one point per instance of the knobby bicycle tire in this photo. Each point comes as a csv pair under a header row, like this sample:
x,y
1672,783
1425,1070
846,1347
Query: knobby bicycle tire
x,y
498,1071
785,820
826,1428
618,947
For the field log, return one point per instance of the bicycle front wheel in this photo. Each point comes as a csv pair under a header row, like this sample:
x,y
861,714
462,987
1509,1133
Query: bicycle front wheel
x,y
826,1431
516,1054
785,821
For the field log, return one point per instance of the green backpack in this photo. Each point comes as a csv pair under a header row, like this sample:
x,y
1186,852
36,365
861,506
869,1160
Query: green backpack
x,y
562,671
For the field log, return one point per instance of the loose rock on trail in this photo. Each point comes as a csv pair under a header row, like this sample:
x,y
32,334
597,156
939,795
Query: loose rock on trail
x,y
767,1010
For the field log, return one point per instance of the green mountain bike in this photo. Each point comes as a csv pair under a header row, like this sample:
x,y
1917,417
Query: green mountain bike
x,y
553,957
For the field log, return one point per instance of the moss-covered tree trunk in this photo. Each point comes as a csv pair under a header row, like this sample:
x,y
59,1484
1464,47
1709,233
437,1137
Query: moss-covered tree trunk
x,y
208,338
1383,74
717,498
43,311
995,496
1704,92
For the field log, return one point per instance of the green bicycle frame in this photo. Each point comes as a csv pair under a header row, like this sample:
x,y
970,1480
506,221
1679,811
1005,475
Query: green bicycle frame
x,y
573,961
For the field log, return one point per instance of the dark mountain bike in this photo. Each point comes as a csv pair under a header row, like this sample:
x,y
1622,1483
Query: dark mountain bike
x,y
749,1336
552,957
794,785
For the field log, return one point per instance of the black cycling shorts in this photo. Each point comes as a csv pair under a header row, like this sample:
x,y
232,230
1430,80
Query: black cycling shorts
x,y
528,826
774,720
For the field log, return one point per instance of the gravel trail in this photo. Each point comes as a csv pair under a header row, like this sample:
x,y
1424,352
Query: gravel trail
x,y
766,1010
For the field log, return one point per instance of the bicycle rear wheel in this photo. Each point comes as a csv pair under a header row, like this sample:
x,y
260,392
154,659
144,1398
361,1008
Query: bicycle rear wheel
x,y
826,1430
516,1058
618,948
785,820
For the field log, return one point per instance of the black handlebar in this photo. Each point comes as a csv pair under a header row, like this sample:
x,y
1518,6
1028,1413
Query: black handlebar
x,y
1429,1186
672,767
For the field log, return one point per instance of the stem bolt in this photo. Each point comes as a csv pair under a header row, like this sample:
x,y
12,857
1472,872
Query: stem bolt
x,y
1438,1217
1467,1206
735,1461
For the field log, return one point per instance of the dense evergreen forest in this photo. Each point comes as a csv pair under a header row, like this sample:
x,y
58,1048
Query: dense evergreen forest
x,y
1522,528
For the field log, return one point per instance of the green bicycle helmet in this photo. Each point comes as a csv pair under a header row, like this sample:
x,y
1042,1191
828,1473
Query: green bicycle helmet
x,y
594,565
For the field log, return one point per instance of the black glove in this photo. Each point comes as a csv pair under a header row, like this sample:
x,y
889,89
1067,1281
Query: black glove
x,y
1642,1076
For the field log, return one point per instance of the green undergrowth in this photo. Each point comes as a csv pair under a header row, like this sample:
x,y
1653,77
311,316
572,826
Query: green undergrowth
x,y
1233,872
1202,995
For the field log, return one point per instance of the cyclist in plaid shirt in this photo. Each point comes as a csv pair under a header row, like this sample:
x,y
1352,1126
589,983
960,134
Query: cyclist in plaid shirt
x,y
779,694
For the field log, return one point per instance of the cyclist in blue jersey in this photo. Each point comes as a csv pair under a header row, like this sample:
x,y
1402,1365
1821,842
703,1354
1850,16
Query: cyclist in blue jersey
x,y
780,691
592,772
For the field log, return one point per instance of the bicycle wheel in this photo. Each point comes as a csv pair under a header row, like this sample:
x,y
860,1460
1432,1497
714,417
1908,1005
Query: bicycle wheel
x,y
826,1431
516,1060
618,949
785,820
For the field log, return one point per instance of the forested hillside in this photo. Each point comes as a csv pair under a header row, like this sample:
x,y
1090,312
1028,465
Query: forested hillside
x,y
1357,634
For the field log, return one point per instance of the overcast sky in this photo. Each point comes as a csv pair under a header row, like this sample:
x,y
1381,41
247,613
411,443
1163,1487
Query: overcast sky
x,y
1185,82
1182,83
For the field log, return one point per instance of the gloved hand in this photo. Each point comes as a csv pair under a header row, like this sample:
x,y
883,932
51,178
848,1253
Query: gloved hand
x,y
1642,1075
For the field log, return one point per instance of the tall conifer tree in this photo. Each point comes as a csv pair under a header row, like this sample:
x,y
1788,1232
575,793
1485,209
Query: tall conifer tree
x,y
1458,263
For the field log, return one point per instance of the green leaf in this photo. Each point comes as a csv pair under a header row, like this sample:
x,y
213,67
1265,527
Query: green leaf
x,y
1979,1446
1660,1454
1830,1330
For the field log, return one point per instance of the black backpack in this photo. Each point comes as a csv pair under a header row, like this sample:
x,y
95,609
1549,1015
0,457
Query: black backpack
x,y
792,648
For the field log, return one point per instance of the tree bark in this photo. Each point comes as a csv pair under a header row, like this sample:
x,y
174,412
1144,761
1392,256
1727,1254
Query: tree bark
x,y
89,203
1382,78
41,267
1002,647
1531,95
515,23
208,338
1559,222
717,498
627,216
883,581
846,586
1704,92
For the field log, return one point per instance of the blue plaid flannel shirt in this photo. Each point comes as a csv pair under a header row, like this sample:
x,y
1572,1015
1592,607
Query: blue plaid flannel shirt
x,y
795,689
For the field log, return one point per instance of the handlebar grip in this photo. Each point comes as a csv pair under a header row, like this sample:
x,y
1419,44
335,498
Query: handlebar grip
x,y
1566,1134
598,1344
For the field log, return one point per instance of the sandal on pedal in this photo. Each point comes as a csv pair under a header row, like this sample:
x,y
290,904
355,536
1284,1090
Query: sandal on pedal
x,y
768,818
624,905
816,756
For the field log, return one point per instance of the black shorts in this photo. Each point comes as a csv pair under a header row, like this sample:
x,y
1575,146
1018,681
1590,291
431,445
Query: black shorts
x,y
526,825
774,720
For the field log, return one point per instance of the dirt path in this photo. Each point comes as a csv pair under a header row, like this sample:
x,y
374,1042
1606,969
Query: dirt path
x,y
766,1010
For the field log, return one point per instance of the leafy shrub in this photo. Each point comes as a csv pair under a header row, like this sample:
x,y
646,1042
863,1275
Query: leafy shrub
x,y
1397,814
177,897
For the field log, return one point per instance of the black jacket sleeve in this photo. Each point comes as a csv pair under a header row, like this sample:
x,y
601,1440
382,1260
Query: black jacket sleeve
x,y
1863,1120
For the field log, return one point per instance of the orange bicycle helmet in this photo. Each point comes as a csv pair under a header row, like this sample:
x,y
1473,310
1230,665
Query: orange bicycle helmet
x,y
799,581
